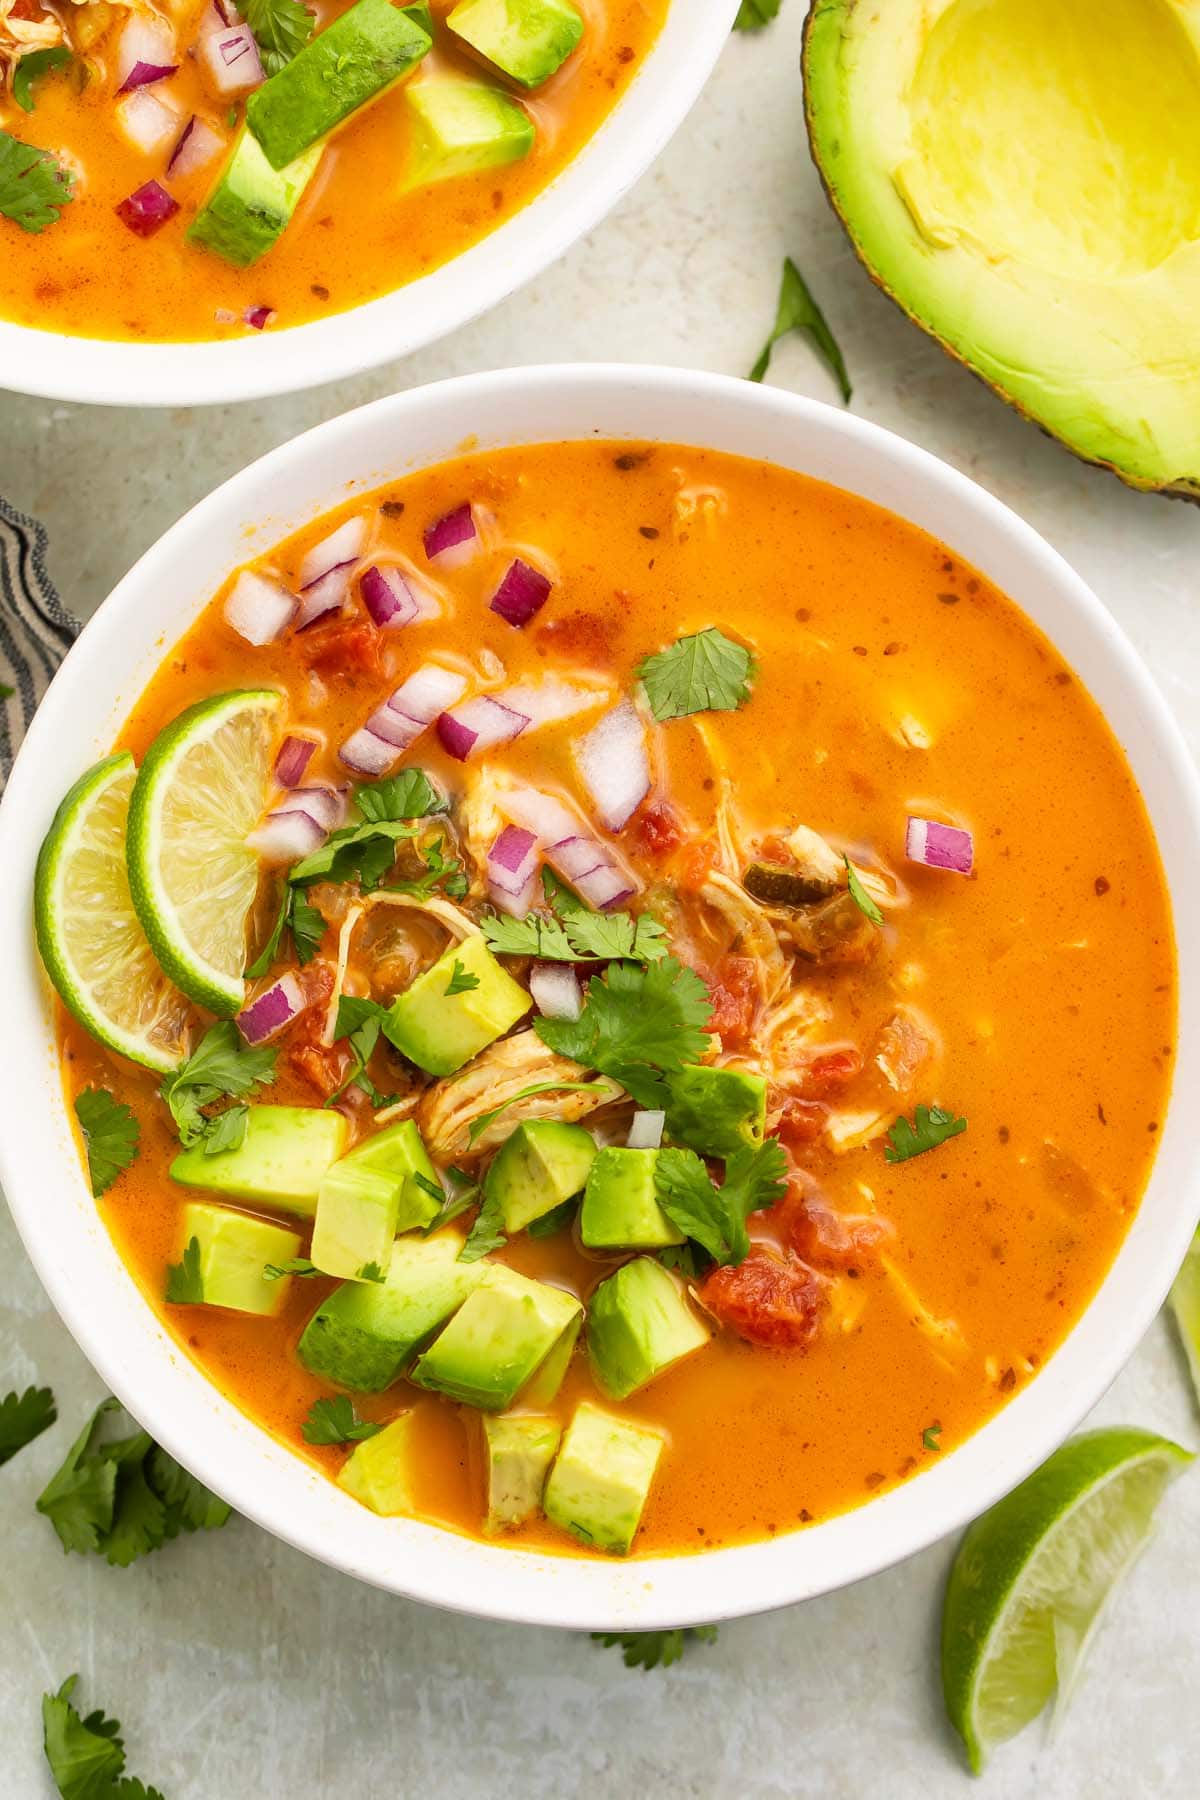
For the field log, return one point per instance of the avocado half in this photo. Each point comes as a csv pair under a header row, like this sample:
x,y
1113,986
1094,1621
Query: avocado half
x,y
1023,178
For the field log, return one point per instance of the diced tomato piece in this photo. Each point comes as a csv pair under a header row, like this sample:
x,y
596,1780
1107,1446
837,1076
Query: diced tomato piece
x,y
579,636
321,1065
734,991
343,650
801,1122
695,865
658,830
828,1239
765,1300
316,982
829,1073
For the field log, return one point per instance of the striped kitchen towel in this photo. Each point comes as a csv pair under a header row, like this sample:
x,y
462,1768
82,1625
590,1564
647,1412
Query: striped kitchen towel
x,y
36,630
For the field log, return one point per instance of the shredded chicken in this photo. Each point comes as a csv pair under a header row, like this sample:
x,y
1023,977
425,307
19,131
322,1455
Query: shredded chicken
x,y
480,821
903,1049
496,1076
20,34
751,932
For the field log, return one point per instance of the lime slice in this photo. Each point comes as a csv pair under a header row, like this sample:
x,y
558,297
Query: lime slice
x,y
1185,1304
1032,1576
93,947
199,794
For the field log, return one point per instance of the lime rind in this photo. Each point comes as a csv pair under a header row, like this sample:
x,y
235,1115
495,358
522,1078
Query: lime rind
x,y
93,947
198,795
1185,1306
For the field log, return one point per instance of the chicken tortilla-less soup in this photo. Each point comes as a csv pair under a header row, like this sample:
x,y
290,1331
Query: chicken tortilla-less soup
x,y
179,171
646,1005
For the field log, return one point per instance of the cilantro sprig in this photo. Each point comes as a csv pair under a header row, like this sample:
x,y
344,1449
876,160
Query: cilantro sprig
x,y
32,66
86,1756
478,1126
637,1026
281,29
654,1649
798,311
859,894
931,1126
754,14
360,1021
295,1265
221,1066
334,1421
365,851
706,672
110,1136
487,1233
461,980
33,187
575,933
185,1279
715,1217
24,1417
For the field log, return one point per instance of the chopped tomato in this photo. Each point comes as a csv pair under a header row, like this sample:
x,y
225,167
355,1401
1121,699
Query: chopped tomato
x,y
801,1122
695,865
734,991
585,636
344,649
828,1239
322,1065
829,1073
658,830
316,982
765,1300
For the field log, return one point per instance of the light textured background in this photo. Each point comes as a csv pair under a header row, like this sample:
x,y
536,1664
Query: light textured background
x,y
240,1669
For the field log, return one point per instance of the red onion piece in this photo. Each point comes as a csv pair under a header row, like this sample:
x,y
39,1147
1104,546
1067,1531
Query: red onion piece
x,y
273,1009
556,991
325,806
147,121
427,692
197,147
145,39
147,209
258,609
286,837
452,540
388,597
144,74
258,317
394,728
572,852
645,1130
939,846
367,754
546,702
478,724
614,765
230,60
295,753
605,887
513,852
540,813
522,593
339,550
327,595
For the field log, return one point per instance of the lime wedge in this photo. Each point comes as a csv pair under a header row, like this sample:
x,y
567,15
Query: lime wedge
x,y
1031,1578
200,792
1185,1304
93,947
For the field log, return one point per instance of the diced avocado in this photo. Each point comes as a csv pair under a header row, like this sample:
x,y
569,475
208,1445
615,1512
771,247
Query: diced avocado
x,y
542,1388
620,1209
520,1448
234,1250
251,203
500,1336
368,48
601,1479
281,1161
527,40
370,1195
377,1469
421,13
365,1333
542,1164
639,1323
459,127
716,1111
440,1031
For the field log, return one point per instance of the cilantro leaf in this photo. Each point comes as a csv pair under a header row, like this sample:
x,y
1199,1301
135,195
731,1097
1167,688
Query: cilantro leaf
x,y
798,311
334,1421
461,982
706,672
556,1220
408,795
930,1436
86,1756
306,925
452,1205
689,1260
281,29
754,14
636,1026
715,1217
478,1126
581,936
32,66
932,1126
110,1136
24,1417
446,872
227,1131
360,1021
859,894
33,187
365,852
185,1283
370,1271
295,1265
487,1233
654,1649
222,1064
534,935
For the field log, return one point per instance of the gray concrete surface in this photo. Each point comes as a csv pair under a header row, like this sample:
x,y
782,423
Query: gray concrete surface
x,y
240,1669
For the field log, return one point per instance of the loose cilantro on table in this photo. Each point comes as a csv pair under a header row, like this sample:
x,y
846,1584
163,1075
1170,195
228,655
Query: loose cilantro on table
x,y
281,29
295,1265
654,1649
478,1126
33,187
86,1756
24,1417
110,1136
754,14
931,1126
32,66
185,1282
461,981
859,894
123,1497
715,1217
798,311
334,1421
706,672
487,1233
221,1066
637,1026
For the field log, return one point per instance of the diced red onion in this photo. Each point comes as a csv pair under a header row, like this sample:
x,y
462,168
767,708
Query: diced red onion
x,y
325,806
646,1130
546,702
390,730
196,148
326,595
218,17
295,754
258,609
478,724
147,121
394,728
147,209
144,74
939,846
231,61
513,864
540,813
224,316
605,887
522,593
452,540
286,837
572,853
427,692
614,765
340,550
367,754
274,1009
388,597
258,317
145,39
555,989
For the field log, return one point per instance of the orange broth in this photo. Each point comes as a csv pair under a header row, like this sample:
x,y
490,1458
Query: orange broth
x,y
892,679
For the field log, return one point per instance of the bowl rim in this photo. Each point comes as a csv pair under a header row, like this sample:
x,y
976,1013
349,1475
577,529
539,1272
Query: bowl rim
x,y
258,1476
116,372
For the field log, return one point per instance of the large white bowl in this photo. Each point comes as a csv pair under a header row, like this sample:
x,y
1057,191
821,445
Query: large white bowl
x,y
39,1167
283,361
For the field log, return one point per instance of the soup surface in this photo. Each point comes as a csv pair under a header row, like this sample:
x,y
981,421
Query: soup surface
x,y
391,196
908,1278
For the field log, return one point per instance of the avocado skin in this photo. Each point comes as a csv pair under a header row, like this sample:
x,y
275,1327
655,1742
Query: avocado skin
x,y
716,1111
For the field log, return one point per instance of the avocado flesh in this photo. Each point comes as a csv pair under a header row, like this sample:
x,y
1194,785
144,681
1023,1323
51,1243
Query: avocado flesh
x,y
377,1469
527,40
440,1031
639,1324
519,1448
251,203
365,1333
280,1162
542,1164
370,1195
602,1477
620,1208
234,1250
461,127
716,1111
498,1339
1024,181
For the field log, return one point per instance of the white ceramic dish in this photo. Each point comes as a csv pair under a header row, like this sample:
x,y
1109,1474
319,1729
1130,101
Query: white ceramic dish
x,y
39,1167
281,362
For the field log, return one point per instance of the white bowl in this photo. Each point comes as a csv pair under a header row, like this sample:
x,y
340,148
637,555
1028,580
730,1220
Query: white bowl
x,y
284,361
57,1217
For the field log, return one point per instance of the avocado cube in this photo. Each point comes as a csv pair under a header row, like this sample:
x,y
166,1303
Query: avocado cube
x,y
252,203
716,1111
460,127
601,1480
421,13
639,1323
498,1339
440,1031
234,1250
280,1162
542,1388
364,1334
368,48
369,1196
542,1164
527,40
519,1448
377,1469
620,1209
